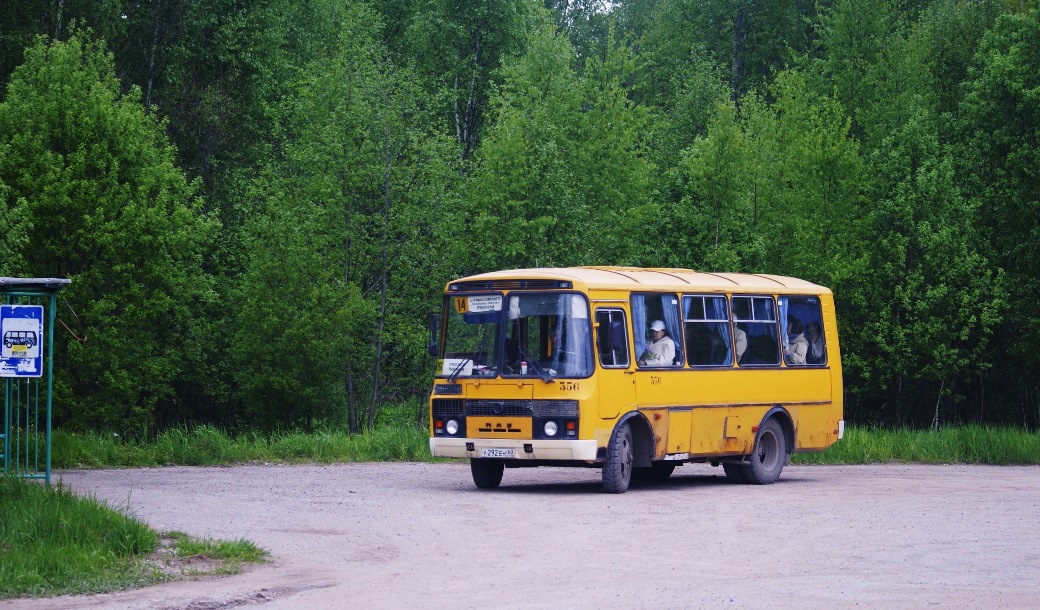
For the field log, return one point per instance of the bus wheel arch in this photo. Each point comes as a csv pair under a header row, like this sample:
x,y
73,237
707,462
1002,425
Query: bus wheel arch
x,y
786,424
772,449
630,445
642,438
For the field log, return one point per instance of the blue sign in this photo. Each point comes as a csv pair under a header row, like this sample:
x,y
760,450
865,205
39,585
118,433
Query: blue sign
x,y
21,340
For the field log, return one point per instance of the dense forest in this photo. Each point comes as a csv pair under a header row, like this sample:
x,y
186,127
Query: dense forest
x,y
258,203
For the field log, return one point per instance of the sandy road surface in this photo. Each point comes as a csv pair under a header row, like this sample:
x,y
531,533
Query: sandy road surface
x,y
420,535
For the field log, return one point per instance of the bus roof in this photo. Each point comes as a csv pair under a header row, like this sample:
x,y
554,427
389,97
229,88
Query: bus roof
x,y
636,278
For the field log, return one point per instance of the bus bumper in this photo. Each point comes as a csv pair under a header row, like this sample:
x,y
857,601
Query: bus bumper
x,y
521,449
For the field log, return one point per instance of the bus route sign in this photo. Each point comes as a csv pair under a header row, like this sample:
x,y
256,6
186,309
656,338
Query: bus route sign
x,y
21,340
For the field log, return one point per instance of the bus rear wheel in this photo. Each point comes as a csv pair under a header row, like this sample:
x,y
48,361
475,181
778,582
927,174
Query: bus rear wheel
x,y
487,474
617,472
769,455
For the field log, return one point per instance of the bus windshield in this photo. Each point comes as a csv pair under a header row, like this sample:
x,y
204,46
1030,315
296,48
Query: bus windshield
x,y
545,335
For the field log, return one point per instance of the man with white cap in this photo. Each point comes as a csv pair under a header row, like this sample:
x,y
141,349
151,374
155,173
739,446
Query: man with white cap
x,y
661,350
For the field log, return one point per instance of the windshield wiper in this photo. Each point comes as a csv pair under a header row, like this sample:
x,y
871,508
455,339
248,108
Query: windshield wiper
x,y
470,358
544,376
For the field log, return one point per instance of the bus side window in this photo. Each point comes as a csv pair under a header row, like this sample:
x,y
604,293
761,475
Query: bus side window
x,y
802,315
655,308
612,338
706,320
756,317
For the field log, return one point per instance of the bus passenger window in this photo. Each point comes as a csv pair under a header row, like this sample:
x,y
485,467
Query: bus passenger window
x,y
612,338
657,329
803,336
706,323
756,318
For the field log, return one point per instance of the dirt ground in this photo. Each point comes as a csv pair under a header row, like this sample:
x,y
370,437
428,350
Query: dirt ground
x,y
390,535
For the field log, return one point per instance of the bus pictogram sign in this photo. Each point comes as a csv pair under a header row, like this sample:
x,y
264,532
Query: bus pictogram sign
x,y
21,340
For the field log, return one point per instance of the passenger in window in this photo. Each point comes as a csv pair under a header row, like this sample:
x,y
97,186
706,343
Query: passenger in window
x,y
740,340
661,350
798,347
816,353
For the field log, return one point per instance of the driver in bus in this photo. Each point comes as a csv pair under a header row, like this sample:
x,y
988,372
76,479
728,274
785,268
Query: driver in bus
x,y
661,350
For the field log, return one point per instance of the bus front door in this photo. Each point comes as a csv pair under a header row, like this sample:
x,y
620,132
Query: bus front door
x,y
615,379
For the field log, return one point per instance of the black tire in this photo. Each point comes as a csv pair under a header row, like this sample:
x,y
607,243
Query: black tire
x,y
617,472
657,472
769,456
735,473
487,474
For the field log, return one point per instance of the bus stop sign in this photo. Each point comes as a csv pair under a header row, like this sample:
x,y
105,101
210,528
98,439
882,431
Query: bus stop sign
x,y
21,338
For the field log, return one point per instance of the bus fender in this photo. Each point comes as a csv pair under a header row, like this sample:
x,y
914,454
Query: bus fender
x,y
786,423
642,437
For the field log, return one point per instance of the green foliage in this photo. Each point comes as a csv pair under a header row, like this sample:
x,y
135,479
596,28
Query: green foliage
x,y
927,300
104,205
53,542
999,125
336,272
564,166
457,47
771,188
359,154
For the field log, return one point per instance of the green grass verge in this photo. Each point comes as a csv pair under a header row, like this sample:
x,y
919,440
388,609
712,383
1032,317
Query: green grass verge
x,y
961,444
53,542
206,445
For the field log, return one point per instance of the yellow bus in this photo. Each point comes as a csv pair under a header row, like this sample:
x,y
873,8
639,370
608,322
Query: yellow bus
x,y
634,371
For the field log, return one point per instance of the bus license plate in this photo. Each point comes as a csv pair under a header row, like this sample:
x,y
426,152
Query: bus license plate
x,y
492,452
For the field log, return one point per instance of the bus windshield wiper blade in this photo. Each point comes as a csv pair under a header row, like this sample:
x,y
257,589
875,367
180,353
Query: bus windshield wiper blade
x,y
542,374
470,358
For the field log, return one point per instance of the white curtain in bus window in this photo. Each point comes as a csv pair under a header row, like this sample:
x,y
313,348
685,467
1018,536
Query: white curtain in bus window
x,y
755,316
706,323
650,307
803,330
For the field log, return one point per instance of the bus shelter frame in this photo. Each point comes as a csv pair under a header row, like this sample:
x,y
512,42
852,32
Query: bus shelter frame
x,y
22,446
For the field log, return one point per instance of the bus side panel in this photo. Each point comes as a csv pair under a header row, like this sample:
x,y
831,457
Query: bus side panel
x,y
816,426
724,430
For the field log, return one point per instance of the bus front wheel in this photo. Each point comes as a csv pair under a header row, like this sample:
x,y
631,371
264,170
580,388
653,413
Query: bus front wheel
x,y
769,455
617,472
487,474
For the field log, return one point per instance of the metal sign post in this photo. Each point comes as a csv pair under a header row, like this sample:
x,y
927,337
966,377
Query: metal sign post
x,y
26,359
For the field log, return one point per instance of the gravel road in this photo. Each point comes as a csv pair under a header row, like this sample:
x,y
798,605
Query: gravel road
x,y
392,535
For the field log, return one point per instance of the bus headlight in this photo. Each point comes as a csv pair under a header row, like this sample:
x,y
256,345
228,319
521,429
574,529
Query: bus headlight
x,y
551,428
452,427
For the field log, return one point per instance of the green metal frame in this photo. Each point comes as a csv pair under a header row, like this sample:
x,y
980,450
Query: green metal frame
x,y
21,432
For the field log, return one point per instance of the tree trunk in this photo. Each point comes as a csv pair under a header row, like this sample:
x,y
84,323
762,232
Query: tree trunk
x,y
739,38
156,10
935,420
382,279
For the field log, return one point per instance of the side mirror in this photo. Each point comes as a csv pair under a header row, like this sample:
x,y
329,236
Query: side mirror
x,y
435,330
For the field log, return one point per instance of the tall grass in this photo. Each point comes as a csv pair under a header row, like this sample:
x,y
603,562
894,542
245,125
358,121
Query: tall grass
x,y
54,542
962,444
206,445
